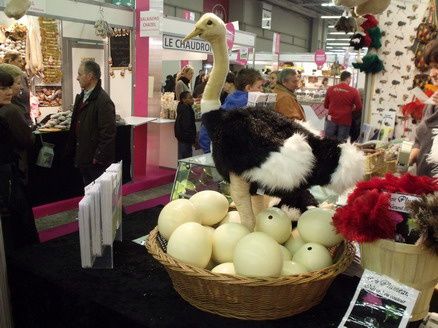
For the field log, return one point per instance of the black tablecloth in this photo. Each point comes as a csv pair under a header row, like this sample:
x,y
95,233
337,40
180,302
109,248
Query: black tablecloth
x,y
63,180
49,289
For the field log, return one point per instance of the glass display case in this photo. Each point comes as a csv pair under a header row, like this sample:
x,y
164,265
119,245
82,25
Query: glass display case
x,y
195,174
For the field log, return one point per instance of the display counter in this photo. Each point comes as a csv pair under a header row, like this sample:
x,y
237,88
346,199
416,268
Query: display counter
x,y
50,289
63,180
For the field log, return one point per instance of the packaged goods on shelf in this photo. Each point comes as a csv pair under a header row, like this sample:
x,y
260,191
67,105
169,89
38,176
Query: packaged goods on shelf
x,y
49,96
50,50
310,95
13,39
60,120
168,105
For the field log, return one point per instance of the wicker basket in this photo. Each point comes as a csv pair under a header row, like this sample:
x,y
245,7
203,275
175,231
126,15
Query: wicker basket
x,y
250,298
374,161
409,264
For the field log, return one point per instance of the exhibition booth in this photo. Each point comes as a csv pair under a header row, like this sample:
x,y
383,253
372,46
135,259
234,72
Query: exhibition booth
x,y
240,243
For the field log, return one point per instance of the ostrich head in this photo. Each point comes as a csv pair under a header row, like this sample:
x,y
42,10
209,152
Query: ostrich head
x,y
210,28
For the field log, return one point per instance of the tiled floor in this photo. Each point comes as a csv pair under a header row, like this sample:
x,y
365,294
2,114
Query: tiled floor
x,y
69,216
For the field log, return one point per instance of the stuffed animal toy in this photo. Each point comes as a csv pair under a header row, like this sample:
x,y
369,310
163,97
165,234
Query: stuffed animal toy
x,y
257,149
17,8
363,7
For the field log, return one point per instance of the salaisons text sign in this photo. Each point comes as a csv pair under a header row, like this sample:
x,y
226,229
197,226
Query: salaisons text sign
x,y
195,45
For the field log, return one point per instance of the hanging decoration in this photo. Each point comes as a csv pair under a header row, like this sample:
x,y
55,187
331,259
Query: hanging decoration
x,y
102,28
362,7
370,37
17,8
346,24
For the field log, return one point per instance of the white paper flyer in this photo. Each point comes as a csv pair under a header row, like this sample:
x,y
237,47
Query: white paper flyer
x,y
380,301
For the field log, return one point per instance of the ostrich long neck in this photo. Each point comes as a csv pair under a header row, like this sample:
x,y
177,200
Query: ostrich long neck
x,y
210,99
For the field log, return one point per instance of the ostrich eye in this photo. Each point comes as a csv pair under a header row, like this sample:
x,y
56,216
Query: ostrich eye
x,y
209,22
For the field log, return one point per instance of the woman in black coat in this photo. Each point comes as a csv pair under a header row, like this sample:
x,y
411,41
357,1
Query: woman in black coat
x,y
15,135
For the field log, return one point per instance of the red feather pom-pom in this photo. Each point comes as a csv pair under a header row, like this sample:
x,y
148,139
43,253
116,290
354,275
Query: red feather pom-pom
x,y
367,218
367,215
370,22
366,40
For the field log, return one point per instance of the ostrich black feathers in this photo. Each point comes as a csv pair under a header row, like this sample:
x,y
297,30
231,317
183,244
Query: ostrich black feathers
x,y
248,141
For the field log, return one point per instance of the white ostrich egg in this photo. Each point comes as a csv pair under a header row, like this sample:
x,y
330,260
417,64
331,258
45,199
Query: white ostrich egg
x,y
211,206
291,267
285,252
210,231
225,239
232,216
313,256
315,226
275,223
174,214
258,255
226,268
191,243
294,243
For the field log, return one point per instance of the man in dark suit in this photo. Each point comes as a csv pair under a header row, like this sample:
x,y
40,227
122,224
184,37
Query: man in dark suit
x,y
93,128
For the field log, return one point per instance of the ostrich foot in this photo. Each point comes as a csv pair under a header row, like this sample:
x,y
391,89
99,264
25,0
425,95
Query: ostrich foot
x,y
239,190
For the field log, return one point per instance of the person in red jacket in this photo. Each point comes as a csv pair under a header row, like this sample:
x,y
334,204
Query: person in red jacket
x,y
341,101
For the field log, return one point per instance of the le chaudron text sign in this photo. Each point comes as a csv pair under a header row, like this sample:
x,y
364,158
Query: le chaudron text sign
x,y
175,43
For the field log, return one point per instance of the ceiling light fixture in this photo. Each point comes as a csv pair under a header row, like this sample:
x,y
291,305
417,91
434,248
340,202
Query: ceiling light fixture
x,y
341,33
338,44
330,17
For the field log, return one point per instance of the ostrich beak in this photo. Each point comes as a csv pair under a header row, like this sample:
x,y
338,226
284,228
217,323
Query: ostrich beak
x,y
197,31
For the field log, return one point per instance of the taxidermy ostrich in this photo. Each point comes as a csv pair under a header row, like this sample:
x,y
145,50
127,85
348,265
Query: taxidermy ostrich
x,y
260,149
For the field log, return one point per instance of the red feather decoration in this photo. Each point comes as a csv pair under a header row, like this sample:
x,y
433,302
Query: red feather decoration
x,y
370,22
367,216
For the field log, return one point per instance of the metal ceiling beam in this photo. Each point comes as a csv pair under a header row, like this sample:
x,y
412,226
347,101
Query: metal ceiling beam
x,y
291,6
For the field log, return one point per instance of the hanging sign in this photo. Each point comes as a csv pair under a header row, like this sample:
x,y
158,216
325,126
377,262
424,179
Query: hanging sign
x,y
189,15
175,42
150,22
320,58
266,19
217,7
38,6
231,32
276,44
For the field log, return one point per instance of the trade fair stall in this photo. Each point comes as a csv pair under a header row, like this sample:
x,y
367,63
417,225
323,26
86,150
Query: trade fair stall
x,y
311,93
52,42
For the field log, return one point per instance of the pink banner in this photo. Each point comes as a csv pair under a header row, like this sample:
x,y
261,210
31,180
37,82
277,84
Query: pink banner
x,y
276,43
231,32
320,58
188,15
184,63
217,7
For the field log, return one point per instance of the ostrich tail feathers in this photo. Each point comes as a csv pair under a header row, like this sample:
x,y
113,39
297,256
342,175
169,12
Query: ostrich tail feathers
x,y
351,168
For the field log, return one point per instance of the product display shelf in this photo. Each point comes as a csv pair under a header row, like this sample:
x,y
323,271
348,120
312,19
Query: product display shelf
x,y
195,174
137,120
163,121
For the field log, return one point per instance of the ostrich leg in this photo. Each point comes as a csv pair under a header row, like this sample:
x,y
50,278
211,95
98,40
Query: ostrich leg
x,y
239,190
259,203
